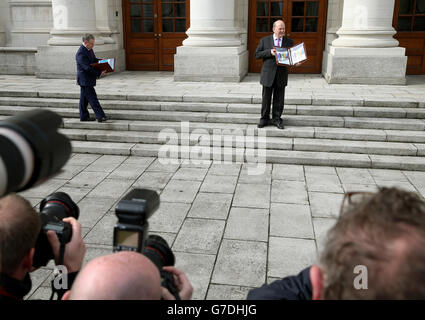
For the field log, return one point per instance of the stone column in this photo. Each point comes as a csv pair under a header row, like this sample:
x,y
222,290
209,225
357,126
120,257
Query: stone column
x,y
102,20
3,10
365,51
71,20
214,50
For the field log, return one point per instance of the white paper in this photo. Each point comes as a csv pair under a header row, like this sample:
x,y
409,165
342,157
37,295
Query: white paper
x,y
298,53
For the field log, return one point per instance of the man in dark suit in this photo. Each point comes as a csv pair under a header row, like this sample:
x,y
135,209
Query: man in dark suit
x,y
274,78
86,79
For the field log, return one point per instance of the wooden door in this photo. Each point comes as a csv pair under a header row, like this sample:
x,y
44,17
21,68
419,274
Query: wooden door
x,y
305,21
153,29
409,21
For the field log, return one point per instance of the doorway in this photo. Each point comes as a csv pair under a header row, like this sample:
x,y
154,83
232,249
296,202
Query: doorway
x,y
153,29
305,22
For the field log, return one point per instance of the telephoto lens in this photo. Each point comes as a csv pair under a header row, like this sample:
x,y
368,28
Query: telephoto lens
x,y
53,209
31,150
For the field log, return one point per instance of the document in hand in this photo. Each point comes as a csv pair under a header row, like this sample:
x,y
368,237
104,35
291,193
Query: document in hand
x,y
291,56
105,64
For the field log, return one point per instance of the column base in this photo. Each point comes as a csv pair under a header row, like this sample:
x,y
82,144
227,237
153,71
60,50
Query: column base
x,y
203,64
385,66
59,61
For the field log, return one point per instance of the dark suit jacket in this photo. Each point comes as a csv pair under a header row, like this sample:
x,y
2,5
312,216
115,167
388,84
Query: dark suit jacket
x,y
86,75
270,69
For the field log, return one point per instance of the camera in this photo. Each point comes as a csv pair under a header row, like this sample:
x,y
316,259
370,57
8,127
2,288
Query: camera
x,y
31,150
131,233
53,209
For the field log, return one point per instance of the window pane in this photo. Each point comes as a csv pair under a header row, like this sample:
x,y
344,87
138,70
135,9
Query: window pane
x,y
312,8
404,24
420,6
276,9
406,6
419,24
298,8
297,25
180,10
180,25
167,10
167,25
311,24
148,11
136,25
147,26
135,10
262,9
262,25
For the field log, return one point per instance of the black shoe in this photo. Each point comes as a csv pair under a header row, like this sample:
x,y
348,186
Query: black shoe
x,y
263,123
278,123
87,119
103,119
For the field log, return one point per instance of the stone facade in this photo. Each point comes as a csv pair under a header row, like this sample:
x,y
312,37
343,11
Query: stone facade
x,y
41,37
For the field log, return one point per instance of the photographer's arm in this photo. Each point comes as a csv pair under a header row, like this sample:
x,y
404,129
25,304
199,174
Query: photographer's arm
x,y
182,283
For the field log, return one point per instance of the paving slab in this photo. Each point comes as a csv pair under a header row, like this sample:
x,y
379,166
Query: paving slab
x,y
235,253
252,196
326,205
219,184
211,206
291,221
247,224
288,256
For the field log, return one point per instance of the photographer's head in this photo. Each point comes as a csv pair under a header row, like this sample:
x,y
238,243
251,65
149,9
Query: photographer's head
x,y
19,228
383,233
120,276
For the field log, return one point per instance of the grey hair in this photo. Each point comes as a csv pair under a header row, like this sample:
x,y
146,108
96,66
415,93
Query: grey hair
x,y
87,37
274,23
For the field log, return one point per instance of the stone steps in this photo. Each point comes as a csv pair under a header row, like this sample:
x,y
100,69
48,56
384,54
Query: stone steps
x,y
272,143
312,110
250,155
332,131
243,118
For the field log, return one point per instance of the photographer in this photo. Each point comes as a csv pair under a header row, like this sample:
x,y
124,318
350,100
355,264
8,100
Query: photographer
x,y
374,251
125,275
19,228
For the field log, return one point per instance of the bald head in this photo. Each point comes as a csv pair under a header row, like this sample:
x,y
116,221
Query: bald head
x,y
279,28
119,276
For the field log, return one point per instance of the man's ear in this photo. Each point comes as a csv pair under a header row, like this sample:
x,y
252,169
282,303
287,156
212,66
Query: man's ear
x,y
316,278
28,260
66,295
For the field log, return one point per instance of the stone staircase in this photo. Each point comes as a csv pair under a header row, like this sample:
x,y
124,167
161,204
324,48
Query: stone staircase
x,y
354,132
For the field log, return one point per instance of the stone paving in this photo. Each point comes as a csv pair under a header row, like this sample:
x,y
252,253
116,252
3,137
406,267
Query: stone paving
x,y
230,231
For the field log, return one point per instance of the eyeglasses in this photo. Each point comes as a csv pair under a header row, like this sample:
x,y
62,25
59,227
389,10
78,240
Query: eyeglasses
x,y
353,199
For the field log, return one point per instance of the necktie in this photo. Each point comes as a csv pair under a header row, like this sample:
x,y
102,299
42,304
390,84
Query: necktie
x,y
91,53
278,42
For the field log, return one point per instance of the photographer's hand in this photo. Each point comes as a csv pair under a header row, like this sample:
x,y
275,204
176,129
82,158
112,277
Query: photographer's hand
x,y
74,250
182,283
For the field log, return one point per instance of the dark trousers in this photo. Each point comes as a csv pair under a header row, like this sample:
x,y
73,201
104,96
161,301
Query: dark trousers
x,y
278,93
88,95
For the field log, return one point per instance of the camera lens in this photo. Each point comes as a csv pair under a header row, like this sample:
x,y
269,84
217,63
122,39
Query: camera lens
x,y
60,205
158,251
31,149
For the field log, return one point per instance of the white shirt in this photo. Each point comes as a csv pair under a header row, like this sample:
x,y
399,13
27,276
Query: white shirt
x,y
274,40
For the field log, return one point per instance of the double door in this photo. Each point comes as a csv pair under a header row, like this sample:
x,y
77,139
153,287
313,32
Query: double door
x,y
409,21
153,29
305,21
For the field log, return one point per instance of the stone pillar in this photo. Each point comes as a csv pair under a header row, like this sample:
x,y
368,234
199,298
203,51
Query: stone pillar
x,y
365,51
214,50
102,20
2,23
71,20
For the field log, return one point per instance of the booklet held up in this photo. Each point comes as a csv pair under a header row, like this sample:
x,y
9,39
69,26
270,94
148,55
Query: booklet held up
x,y
105,64
291,56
